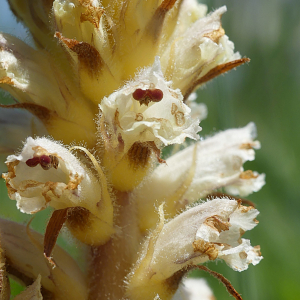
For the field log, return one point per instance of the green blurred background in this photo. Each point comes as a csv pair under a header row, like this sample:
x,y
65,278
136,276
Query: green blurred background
x,y
266,91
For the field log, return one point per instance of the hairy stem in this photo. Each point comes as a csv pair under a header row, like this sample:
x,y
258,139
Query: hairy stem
x,y
110,263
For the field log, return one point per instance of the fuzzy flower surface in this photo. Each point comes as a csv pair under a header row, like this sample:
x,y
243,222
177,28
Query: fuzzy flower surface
x,y
104,89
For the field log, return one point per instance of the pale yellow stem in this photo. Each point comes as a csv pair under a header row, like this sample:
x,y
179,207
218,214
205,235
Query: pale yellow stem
x,y
110,263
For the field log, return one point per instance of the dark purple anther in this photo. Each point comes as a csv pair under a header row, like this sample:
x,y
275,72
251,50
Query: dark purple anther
x,y
33,162
139,94
45,162
148,95
157,95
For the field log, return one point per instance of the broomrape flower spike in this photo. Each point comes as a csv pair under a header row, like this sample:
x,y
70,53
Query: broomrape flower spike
x,y
114,83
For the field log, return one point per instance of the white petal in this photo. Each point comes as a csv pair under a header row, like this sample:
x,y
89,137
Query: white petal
x,y
244,187
174,246
218,163
167,121
193,53
205,232
193,289
239,258
190,12
68,185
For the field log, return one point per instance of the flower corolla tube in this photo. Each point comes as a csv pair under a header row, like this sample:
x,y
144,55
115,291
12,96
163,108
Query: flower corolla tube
x,y
105,88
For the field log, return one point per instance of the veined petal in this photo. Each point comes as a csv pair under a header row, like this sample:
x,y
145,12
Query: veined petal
x,y
47,174
237,253
24,251
205,232
247,183
198,170
238,258
163,119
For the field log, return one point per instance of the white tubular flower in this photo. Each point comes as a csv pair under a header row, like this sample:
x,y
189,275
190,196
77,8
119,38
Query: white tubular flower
x,y
202,233
47,174
186,65
148,109
27,74
32,77
193,289
198,170
206,232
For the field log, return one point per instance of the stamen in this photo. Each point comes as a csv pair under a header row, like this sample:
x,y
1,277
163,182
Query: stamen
x,y
33,162
148,95
46,161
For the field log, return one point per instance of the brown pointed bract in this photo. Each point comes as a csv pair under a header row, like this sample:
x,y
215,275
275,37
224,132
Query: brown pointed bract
x,y
54,226
216,71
